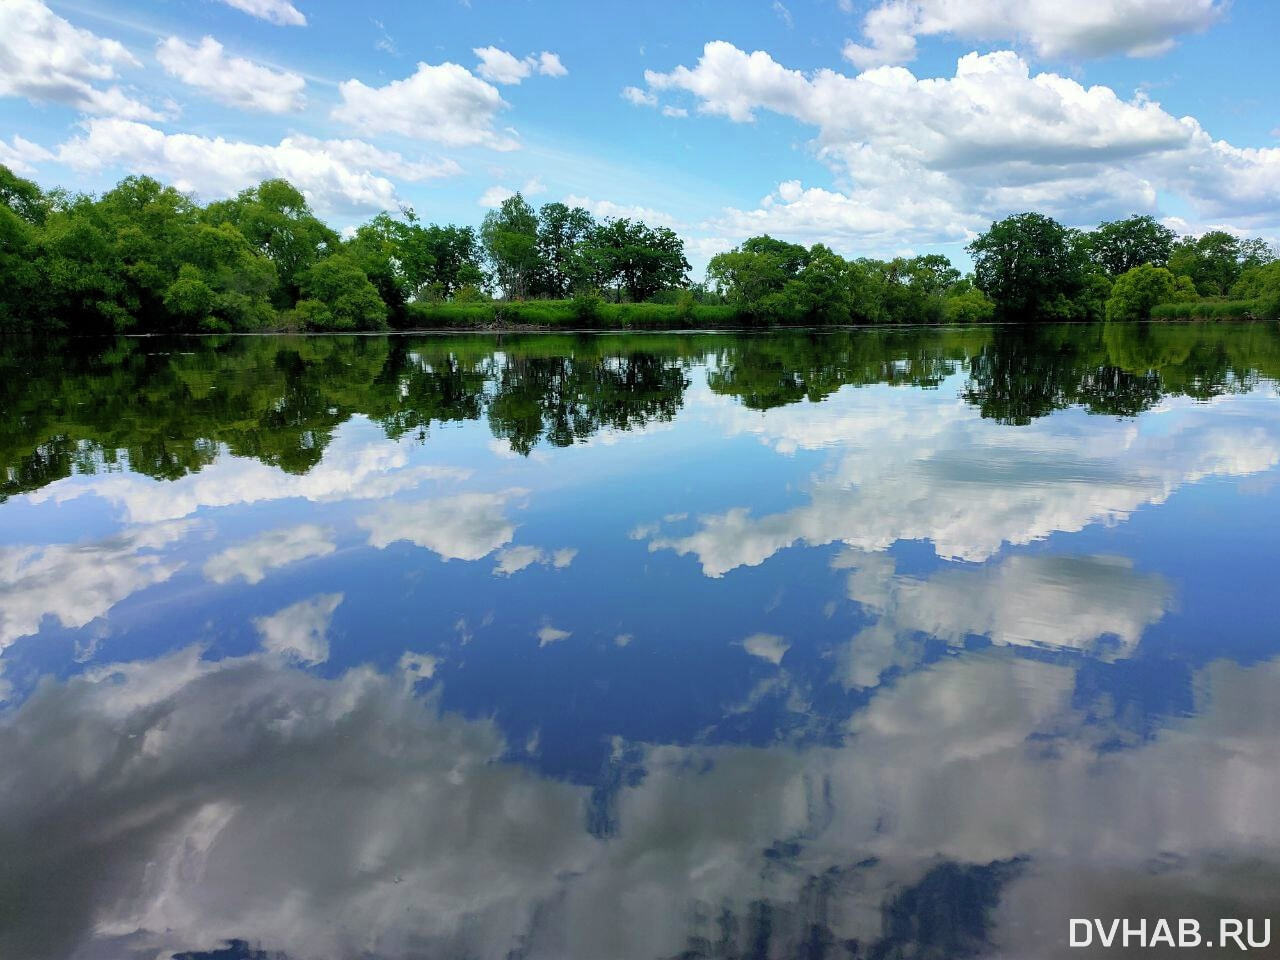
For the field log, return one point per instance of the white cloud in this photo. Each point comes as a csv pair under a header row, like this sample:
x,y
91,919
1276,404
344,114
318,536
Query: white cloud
x,y
1095,605
231,80
639,97
494,196
980,757
77,583
933,160
766,646
335,175
351,469
45,59
503,67
21,155
468,526
277,548
280,12
607,208
444,103
549,65
514,559
301,630
549,634
895,474
674,112
1094,28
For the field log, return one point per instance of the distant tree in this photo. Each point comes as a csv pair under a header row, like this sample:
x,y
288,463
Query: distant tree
x,y
1137,290
510,238
563,234
1260,283
276,219
1215,260
438,260
223,282
965,303
636,259
1033,268
1120,245
337,295
757,270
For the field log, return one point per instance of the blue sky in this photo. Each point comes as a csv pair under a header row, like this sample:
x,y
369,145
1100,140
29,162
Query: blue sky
x,y
877,127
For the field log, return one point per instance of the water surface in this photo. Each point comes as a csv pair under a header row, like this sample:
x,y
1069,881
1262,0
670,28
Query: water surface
x,y
888,643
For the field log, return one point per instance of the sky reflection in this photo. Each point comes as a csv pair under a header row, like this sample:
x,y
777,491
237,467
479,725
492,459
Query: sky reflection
x,y
837,645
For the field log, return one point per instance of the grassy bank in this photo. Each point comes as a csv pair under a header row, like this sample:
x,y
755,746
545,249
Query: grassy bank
x,y
576,314
1210,310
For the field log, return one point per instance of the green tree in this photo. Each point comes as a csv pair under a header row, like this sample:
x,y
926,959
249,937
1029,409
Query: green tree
x,y
510,238
754,274
337,295
1033,268
1215,260
1139,289
637,259
1120,245
223,284
563,234
276,219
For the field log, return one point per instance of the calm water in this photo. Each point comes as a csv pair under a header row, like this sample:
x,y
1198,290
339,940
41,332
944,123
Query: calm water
x,y
874,644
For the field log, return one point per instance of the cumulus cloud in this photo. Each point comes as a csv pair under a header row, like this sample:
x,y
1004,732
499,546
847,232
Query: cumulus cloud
x,y
351,469
21,155
766,646
1136,28
973,760
444,103
277,548
301,630
514,559
280,12
231,80
468,526
503,67
548,634
945,478
76,583
1095,605
45,59
607,208
936,159
335,175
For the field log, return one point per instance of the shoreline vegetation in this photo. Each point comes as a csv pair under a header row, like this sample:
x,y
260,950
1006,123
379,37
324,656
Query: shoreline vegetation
x,y
145,258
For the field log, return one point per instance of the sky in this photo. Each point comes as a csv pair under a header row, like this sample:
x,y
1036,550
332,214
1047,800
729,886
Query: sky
x,y
878,127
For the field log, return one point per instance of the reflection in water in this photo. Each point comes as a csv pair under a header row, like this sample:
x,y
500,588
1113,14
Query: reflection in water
x,y
873,644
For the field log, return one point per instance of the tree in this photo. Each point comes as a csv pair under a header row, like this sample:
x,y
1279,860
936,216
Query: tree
x,y
563,234
1120,245
510,238
224,283
636,258
438,261
756,271
1215,260
1137,290
337,295
1032,267
276,219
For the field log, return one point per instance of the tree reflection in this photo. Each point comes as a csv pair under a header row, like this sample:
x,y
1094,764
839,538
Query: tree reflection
x,y
167,408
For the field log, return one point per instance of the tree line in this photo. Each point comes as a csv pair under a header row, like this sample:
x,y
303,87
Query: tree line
x,y
143,257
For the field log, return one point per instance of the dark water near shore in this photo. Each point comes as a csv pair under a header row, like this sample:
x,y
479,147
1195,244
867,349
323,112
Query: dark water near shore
x,y
877,644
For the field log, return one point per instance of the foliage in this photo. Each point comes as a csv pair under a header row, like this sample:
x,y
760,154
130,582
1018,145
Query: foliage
x,y
1216,260
1139,289
1117,246
1034,268
144,257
